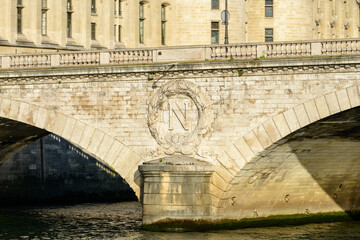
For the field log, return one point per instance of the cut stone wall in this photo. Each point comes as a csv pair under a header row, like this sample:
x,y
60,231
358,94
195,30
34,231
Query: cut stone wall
x,y
252,104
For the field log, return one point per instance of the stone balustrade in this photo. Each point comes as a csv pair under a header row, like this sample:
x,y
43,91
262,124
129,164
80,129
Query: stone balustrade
x,y
182,54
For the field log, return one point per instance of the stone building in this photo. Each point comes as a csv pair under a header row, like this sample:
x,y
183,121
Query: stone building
x,y
36,25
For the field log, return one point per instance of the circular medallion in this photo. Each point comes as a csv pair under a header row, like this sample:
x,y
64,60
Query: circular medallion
x,y
179,116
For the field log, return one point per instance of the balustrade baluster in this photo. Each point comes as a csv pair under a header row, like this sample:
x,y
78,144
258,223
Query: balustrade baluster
x,y
213,52
351,47
27,61
40,60
121,57
150,56
218,53
242,52
21,61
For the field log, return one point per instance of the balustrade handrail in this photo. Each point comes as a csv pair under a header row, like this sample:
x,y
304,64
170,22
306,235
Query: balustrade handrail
x,y
182,53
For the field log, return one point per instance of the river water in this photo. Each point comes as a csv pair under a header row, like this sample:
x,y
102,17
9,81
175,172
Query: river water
x,y
123,221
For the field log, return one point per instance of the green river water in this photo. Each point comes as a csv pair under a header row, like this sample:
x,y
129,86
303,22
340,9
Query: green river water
x,y
123,221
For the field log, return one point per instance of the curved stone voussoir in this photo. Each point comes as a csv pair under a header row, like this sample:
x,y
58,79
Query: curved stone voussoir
x,y
253,143
90,139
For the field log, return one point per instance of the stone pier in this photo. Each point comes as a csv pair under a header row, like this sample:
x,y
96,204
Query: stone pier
x,y
175,189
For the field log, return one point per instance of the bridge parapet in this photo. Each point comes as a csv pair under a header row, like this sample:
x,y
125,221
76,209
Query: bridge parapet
x,y
182,54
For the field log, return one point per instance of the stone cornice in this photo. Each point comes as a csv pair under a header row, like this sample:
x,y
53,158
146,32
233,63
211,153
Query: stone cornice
x,y
213,68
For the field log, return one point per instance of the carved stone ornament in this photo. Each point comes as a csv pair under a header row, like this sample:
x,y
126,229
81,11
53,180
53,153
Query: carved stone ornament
x,y
179,116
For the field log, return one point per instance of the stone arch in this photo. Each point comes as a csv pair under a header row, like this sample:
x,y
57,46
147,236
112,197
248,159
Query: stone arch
x,y
244,150
92,140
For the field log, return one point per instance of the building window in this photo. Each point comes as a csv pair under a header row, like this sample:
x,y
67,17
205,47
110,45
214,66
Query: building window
x,y
269,35
93,6
214,32
69,5
19,16
119,34
93,31
69,19
269,8
44,10
163,24
118,8
141,22
214,4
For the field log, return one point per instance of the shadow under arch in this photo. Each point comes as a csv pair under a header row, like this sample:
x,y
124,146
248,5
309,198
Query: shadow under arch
x,y
261,154
91,140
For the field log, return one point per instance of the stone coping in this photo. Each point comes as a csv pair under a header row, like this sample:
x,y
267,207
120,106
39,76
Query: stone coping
x,y
176,164
152,68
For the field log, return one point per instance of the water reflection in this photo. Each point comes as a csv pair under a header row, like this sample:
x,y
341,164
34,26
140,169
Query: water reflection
x,y
123,221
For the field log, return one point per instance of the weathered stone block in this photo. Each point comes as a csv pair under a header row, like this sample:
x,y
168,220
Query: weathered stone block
x,y
244,149
302,115
322,107
272,130
253,142
78,132
95,141
104,146
291,120
68,128
312,111
235,155
87,136
282,125
332,102
343,99
354,96
262,136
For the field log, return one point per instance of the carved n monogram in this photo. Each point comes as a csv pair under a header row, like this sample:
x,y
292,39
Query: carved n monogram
x,y
179,117
179,114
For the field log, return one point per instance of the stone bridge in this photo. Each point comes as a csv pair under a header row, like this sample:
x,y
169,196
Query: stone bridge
x,y
206,132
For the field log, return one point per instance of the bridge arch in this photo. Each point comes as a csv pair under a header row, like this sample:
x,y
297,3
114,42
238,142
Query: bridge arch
x,y
92,140
243,151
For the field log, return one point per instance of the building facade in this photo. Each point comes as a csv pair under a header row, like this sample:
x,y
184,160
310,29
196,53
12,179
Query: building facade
x,y
43,25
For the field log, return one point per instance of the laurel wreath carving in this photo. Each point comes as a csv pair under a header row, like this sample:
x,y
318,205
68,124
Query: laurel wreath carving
x,y
186,143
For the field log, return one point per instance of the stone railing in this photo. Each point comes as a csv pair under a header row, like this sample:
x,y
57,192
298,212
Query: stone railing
x,y
182,54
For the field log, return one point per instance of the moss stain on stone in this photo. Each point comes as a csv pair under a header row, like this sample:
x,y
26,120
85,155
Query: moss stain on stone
x,y
173,225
